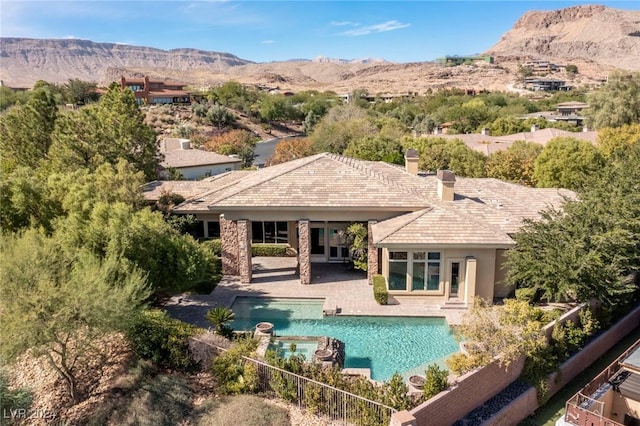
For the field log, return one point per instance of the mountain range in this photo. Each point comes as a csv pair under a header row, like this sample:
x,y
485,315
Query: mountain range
x,y
595,38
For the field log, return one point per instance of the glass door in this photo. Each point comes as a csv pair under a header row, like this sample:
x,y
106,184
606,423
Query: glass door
x,y
338,251
454,279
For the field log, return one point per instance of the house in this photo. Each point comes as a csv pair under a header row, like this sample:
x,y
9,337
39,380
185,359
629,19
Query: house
x,y
194,163
431,235
150,92
543,84
612,398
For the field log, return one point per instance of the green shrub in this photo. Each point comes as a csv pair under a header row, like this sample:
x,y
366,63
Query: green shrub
x,y
15,399
242,410
233,374
380,292
164,340
214,245
526,294
436,381
268,249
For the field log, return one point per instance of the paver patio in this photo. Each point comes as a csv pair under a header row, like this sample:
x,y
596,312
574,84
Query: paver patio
x,y
343,289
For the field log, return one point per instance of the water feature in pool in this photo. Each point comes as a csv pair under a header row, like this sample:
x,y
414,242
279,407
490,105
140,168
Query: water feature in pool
x,y
383,344
303,347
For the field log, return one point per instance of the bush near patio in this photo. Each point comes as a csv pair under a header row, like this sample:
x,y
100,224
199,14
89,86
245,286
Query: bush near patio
x,y
380,292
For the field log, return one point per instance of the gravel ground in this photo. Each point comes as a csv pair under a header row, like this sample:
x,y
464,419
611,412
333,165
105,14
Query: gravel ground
x,y
495,404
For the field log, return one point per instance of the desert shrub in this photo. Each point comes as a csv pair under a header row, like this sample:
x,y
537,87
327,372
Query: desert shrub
x,y
380,292
164,340
526,294
269,249
242,410
149,398
12,399
233,374
214,245
460,363
436,381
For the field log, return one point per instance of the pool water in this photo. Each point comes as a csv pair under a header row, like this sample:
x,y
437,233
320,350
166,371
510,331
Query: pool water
x,y
384,344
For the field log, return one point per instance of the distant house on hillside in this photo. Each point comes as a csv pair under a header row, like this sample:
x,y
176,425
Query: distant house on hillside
x,y
194,163
150,92
546,85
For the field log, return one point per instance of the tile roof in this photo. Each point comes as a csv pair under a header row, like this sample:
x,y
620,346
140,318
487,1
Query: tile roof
x,y
195,157
152,191
484,211
322,180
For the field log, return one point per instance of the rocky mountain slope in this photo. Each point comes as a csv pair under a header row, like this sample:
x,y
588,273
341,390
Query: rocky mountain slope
x,y
597,33
595,38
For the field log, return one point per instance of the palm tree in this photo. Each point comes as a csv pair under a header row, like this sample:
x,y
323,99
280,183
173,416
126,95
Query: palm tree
x,y
220,317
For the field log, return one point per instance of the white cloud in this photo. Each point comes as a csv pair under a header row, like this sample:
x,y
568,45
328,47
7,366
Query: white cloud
x,y
343,24
267,42
377,28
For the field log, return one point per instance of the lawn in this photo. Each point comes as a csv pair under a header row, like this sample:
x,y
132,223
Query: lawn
x,y
554,408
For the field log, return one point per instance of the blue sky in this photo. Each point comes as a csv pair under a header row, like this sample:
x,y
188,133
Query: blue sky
x,y
263,31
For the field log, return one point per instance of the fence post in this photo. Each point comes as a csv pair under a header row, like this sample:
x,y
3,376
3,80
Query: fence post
x,y
403,418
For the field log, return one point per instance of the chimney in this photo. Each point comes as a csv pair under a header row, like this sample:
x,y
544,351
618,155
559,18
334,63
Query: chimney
x,y
534,127
185,144
486,131
411,158
446,181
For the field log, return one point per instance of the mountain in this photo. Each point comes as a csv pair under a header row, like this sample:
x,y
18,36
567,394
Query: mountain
x,y
595,33
25,61
594,38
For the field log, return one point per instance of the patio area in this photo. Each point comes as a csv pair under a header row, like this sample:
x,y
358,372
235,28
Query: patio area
x,y
345,292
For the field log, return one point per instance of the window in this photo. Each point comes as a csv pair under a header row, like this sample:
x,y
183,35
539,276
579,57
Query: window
x,y
398,270
433,271
213,229
269,232
419,268
317,241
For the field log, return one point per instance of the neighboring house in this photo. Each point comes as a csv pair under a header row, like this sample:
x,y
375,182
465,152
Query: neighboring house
x,y
439,236
194,163
485,143
612,398
151,92
544,84
569,112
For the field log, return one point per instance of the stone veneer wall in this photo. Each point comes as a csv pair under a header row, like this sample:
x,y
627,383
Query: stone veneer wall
x,y
229,243
372,253
244,251
304,251
527,403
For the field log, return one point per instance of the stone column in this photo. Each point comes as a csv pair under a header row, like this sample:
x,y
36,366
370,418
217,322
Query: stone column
x,y
229,243
403,418
304,251
244,251
372,253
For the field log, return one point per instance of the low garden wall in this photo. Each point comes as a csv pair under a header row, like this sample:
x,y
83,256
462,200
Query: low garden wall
x,y
527,403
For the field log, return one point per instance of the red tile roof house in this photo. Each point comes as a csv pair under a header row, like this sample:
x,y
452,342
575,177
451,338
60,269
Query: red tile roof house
x,y
156,91
194,163
432,235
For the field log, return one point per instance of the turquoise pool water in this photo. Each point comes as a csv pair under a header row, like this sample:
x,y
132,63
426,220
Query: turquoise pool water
x,y
306,348
383,344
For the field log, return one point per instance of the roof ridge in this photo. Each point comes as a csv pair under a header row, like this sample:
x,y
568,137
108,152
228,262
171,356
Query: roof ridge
x,y
307,160
363,167
463,215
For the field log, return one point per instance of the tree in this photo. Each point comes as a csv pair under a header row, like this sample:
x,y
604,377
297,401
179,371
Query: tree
x,y
112,130
592,248
291,149
25,131
566,163
571,69
358,245
616,140
375,148
59,304
80,92
219,116
514,164
617,103
340,126
439,153
234,142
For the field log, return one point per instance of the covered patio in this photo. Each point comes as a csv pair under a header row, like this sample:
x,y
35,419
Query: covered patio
x,y
345,292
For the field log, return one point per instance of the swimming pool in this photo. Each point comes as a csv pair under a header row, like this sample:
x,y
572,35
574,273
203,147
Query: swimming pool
x,y
383,344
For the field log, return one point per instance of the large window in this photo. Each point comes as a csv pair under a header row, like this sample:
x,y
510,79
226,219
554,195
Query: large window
x,y
269,232
433,271
398,270
317,241
213,229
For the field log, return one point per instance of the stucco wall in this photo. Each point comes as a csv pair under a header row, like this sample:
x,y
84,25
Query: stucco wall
x,y
501,288
199,172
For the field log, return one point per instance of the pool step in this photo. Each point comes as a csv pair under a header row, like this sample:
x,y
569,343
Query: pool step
x,y
331,312
454,304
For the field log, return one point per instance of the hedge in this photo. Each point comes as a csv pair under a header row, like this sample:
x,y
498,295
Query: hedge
x,y
269,249
380,292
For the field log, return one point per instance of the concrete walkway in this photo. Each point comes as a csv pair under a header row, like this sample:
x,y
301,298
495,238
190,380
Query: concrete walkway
x,y
344,290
